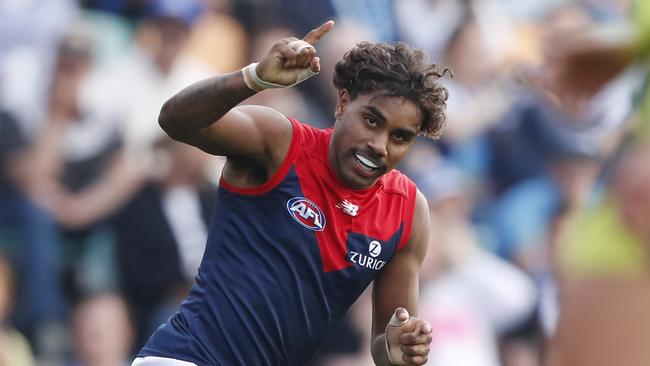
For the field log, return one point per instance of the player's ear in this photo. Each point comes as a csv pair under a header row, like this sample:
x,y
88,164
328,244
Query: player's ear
x,y
341,103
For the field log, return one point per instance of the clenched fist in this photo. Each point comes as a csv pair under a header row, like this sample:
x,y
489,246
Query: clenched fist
x,y
407,339
290,61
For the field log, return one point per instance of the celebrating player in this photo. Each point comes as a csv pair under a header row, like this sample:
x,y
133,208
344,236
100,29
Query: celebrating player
x,y
306,218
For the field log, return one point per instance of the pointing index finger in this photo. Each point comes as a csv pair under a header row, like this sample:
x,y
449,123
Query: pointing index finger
x,y
316,34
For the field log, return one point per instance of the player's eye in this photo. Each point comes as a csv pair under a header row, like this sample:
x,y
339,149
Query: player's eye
x,y
370,121
400,137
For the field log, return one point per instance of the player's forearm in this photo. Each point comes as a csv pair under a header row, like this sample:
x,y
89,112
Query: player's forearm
x,y
202,104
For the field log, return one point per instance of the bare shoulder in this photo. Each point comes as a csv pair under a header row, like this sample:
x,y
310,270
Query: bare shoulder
x,y
419,238
410,258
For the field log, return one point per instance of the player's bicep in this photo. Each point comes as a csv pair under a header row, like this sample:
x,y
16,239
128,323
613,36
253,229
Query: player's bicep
x,y
419,238
398,284
251,132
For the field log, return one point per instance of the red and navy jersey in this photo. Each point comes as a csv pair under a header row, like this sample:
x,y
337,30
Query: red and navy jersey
x,y
285,260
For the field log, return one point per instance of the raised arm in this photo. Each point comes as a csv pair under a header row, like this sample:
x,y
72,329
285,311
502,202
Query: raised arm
x,y
395,300
204,114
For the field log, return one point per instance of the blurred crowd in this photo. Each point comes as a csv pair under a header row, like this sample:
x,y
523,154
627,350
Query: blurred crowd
x,y
103,219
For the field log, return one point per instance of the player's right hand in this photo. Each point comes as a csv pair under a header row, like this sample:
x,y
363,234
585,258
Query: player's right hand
x,y
292,60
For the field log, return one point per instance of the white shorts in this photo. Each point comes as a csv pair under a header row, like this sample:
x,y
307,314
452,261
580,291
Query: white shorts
x,y
159,361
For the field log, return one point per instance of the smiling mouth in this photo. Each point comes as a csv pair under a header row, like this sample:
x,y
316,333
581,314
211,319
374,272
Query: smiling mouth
x,y
366,163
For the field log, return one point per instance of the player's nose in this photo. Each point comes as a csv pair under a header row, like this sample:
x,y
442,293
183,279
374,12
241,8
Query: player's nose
x,y
378,144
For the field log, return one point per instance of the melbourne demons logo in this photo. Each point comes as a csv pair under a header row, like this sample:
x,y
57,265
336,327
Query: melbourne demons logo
x,y
306,213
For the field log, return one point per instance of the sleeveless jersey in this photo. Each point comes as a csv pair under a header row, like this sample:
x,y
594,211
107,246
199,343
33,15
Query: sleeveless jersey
x,y
285,260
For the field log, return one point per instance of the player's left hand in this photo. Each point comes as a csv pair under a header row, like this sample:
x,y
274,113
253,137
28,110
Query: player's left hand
x,y
408,339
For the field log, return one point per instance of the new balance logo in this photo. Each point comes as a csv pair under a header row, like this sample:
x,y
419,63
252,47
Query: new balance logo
x,y
349,208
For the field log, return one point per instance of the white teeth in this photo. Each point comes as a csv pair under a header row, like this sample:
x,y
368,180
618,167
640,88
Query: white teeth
x,y
367,162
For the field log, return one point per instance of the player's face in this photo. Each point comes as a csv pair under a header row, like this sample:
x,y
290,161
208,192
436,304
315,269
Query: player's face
x,y
372,135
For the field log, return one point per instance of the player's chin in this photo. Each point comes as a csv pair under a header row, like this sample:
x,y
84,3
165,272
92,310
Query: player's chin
x,y
363,177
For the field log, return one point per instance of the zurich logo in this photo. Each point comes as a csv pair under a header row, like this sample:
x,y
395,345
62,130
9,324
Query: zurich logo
x,y
370,262
374,248
306,213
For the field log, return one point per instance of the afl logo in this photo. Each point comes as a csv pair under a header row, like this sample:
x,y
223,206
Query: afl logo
x,y
374,248
306,213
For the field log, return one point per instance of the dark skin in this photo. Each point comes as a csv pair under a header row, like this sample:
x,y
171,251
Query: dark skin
x,y
255,140
380,128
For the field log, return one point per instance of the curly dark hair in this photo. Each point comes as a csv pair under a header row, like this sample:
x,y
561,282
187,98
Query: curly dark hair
x,y
396,69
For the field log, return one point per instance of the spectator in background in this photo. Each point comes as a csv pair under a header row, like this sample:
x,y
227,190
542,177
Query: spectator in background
x,y
224,34
101,331
161,233
480,92
76,169
428,24
604,249
612,235
154,69
431,24
30,235
591,64
14,348
472,296
552,157
547,156
30,31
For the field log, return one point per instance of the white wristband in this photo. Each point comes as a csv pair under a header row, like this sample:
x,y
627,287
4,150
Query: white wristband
x,y
254,82
394,353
